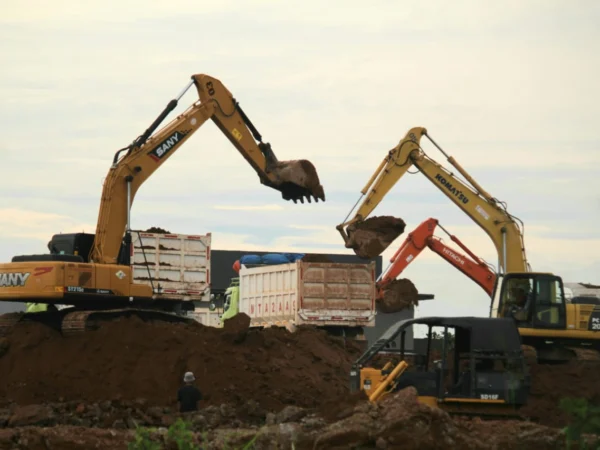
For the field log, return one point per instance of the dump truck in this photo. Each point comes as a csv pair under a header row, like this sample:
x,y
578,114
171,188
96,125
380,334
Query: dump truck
x,y
338,297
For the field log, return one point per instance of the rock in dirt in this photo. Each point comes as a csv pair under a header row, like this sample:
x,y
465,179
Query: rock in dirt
x,y
236,329
398,295
371,237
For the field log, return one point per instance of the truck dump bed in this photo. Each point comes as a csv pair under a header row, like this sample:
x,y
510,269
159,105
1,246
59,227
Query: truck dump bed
x,y
311,293
176,265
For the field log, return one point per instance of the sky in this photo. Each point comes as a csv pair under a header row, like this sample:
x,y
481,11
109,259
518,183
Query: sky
x,y
508,89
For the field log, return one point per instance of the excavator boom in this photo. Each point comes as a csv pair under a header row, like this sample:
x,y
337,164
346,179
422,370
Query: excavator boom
x,y
295,180
423,236
490,214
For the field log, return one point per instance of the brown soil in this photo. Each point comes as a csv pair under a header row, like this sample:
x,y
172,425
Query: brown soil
x,y
130,359
397,422
236,329
371,237
162,247
157,230
551,383
316,258
398,295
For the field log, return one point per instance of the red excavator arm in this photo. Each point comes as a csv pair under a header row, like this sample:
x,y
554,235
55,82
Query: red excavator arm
x,y
473,267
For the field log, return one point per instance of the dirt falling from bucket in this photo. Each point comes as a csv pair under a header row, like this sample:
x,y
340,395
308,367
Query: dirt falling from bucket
x,y
371,237
398,295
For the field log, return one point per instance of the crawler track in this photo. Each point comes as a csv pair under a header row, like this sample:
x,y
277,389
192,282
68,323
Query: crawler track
x,y
73,322
78,322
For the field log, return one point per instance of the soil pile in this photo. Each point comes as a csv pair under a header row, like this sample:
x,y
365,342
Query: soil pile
x,y
371,237
551,383
131,359
157,230
309,257
398,295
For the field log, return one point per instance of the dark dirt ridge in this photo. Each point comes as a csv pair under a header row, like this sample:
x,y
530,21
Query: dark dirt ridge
x,y
398,295
397,422
372,236
129,359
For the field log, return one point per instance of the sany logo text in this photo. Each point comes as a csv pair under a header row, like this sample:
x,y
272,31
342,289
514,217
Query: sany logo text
x,y
13,279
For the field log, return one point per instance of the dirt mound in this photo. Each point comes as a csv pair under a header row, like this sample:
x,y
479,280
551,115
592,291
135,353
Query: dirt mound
x,y
371,237
236,329
157,230
130,359
551,383
398,295
316,258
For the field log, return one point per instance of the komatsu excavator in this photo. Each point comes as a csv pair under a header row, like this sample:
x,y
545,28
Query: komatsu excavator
x,y
92,272
552,329
423,236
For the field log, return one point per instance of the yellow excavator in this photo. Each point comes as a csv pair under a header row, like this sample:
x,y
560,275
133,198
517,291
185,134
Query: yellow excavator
x,y
552,329
92,272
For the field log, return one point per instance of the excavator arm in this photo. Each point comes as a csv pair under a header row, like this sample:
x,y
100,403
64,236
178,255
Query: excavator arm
x,y
294,179
472,266
490,214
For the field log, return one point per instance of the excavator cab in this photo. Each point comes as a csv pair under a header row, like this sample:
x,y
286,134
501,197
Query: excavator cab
x,y
469,365
533,300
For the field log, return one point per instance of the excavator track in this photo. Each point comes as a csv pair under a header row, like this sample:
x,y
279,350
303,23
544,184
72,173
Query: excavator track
x,y
559,355
78,322
585,354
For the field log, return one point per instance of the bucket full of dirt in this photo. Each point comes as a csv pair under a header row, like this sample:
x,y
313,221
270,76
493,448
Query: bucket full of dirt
x,y
398,295
371,237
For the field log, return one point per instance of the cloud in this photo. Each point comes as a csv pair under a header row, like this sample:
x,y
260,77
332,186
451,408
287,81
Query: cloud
x,y
249,207
20,223
339,85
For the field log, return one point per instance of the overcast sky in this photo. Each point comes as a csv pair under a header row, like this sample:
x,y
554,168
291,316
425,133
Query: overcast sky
x,y
510,89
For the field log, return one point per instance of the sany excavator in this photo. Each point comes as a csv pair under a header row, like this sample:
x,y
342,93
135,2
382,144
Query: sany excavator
x,y
423,236
93,272
551,328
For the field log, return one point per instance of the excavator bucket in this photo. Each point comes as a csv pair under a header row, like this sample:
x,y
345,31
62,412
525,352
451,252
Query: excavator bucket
x,y
297,179
369,238
397,295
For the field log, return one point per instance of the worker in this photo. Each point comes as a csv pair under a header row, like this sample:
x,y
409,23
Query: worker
x,y
188,395
521,308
